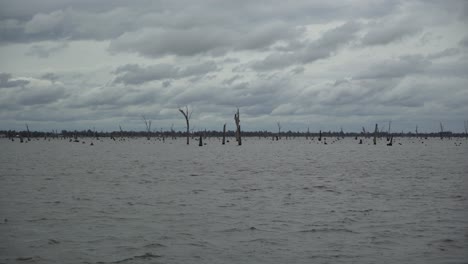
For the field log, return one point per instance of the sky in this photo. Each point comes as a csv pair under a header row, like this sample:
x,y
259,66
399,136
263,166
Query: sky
x,y
327,65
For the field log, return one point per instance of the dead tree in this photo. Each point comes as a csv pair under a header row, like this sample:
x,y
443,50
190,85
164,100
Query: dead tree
x,y
29,133
417,132
96,135
224,134
279,130
238,130
121,132
320,135
376,131
148,127
391,141
187,116
466,129
441,131
389,127
172,132
308,132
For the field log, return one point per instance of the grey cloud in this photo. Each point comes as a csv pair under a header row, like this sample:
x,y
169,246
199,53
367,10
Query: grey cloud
x,y
403,66
6,81
213,40
159,42
135,74
198,69
444,53
464,42
322,48
385,32
43,51
40,96
50,76
57,19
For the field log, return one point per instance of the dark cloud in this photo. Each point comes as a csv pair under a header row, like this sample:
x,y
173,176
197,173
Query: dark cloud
x,y
6,81
40,96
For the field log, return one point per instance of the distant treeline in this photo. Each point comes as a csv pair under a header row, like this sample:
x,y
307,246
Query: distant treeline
x,y
212,133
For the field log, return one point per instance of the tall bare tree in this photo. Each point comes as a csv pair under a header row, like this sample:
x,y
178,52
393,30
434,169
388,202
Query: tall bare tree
x,y
148,127
238,130
441,131
187,116
172,131
224,134
279,130
389,127
466,129
29,133
376,131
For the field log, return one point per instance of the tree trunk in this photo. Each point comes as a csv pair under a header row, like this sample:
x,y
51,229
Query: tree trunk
x,y
187,117
224,134
188,132
238,130
375,134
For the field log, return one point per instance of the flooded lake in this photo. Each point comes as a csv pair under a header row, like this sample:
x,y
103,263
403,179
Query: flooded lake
x,y
288,201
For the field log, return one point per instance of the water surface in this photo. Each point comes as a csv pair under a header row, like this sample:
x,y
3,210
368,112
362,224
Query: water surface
x,y
291,201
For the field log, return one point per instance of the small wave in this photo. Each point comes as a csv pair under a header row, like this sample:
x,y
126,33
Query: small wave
x,y
229,230
323,230
154,245
145,256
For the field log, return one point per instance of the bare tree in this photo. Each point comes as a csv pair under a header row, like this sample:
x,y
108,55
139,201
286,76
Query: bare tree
x,y
389,127
121,132
376,131
29,133
224,134
441,131
320,135
238,130
187,116
148,127
279,130
466,129
172,131
416,131
308,132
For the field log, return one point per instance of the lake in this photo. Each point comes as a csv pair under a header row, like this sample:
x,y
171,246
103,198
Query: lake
x,y
287,201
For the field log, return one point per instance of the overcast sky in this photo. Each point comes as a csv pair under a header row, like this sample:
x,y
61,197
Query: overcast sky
x,y
79,64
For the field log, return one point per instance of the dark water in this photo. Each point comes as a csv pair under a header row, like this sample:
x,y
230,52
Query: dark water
x,y
292,201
